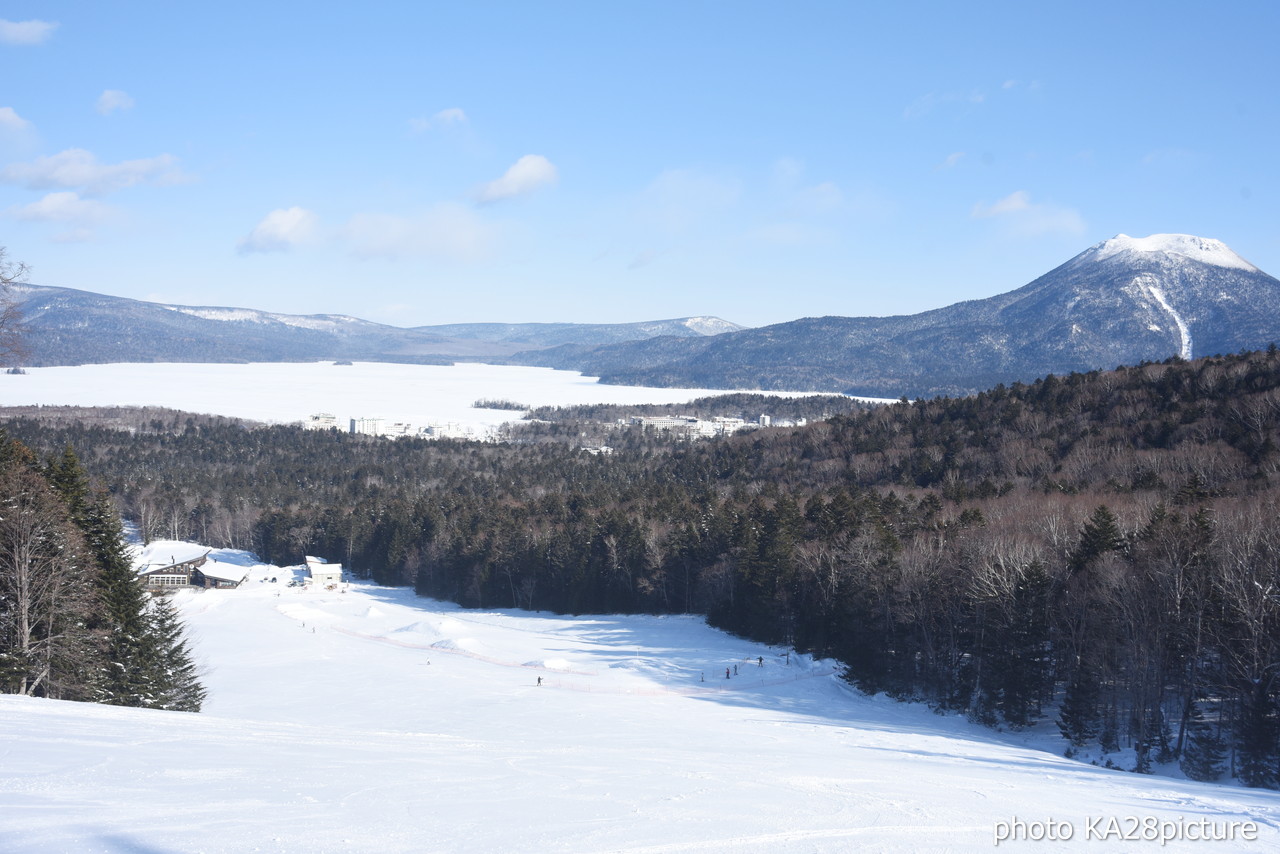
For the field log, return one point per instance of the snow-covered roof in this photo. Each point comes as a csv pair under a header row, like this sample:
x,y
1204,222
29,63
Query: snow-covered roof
x,y
324,569
155,557
166,553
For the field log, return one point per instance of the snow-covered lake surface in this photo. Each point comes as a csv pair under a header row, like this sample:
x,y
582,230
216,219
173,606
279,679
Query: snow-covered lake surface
x,y
288,392
368,720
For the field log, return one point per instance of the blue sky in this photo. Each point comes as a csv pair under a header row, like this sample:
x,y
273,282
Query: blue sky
x,y
418,163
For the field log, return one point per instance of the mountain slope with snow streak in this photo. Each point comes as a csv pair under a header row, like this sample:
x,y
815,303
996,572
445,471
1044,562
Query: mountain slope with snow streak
x,y
366,719
1120,302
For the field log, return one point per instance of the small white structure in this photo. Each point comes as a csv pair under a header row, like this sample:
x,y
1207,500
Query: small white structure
x,y
323,573
374,426
322,421
667,423
452,430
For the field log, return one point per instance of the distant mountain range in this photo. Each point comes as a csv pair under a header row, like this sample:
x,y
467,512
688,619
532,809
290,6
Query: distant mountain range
x,y
1123,301
73,327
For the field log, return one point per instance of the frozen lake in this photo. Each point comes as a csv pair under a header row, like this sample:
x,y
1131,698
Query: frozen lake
x,y
289,392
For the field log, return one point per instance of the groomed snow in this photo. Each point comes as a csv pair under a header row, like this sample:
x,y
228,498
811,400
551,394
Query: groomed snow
x,y
290,392
1203,249
368,720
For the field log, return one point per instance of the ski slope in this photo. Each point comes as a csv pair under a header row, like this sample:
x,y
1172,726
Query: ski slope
x,y
365,719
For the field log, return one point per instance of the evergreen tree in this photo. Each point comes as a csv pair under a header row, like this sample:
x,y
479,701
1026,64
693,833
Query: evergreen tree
x,y
1078,717
1204,752
172,681
144,660
68,478
1258,739
1021,664
1142,751
1101,534
123,616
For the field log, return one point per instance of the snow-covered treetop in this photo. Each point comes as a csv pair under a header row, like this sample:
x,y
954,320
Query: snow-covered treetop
x,y
1202,249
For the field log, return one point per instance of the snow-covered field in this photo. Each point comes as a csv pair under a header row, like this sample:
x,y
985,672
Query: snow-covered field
x,y
368,720
288,392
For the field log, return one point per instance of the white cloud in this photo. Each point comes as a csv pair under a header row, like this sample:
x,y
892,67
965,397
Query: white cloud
x,y
113,99
1019,200
280,230
1025,217
525,175
447,231
26,32
80,169
65,206
952,160
68,209
444,118
11,121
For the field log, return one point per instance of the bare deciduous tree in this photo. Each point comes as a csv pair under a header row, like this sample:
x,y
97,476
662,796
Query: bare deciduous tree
x,y
43,588
12,347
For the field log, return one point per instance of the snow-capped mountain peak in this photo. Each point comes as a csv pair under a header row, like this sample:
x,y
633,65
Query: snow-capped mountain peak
x,y
710,325
1203,249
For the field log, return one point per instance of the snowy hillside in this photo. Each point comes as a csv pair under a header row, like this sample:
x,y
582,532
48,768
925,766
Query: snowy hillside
x,y
366,719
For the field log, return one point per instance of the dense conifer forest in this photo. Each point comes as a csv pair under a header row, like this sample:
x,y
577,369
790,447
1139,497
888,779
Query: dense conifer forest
x,y
1099,548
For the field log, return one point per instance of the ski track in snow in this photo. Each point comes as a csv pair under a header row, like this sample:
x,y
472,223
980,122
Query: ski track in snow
x,y
367,719
1183,330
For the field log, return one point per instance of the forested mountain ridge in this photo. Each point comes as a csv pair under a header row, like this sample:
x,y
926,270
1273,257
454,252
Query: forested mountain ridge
x,y
1097,547
542,335
1122,301
65,326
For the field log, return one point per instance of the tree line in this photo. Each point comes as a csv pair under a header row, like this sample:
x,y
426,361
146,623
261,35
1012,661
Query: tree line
x,y
1101,548
75,622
